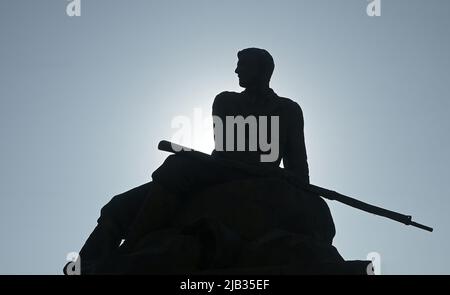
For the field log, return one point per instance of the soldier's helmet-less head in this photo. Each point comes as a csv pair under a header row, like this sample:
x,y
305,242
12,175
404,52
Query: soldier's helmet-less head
x,y
254,68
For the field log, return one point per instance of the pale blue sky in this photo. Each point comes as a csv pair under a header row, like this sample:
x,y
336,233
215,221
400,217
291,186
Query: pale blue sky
x,y
85,100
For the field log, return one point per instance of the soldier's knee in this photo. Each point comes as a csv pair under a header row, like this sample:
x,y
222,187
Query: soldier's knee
x,y
172,166
176,161
114,204
325,222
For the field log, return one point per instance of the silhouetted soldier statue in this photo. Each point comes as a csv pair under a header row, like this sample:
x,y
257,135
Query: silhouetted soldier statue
x,y
129,215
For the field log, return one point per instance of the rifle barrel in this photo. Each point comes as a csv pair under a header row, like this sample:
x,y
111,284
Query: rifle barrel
x,y
325,193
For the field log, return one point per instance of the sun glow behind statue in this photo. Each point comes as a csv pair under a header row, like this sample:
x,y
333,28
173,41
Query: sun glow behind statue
x,y
195,131
192,126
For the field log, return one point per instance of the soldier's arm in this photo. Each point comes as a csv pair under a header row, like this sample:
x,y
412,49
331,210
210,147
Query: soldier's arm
x,y
295,158
218,112
217,104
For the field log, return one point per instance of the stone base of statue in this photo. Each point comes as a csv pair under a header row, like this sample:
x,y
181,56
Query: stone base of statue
x,y
252,226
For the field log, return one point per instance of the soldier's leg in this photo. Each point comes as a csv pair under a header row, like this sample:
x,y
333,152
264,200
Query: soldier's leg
x,y
121,210
113,225
176,177
182,174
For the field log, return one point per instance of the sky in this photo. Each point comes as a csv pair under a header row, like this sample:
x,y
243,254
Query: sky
x,y
85,100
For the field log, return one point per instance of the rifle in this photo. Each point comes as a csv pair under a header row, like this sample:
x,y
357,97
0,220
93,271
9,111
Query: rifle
x,y
294,179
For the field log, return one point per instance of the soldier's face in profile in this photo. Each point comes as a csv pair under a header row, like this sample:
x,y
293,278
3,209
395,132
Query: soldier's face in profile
x,y
247,71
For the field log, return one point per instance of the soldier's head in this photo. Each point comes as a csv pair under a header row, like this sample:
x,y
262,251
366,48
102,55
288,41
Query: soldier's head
x,y
254,68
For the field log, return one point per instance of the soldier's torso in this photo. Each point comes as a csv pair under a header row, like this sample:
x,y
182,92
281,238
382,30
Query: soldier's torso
x,y
234,104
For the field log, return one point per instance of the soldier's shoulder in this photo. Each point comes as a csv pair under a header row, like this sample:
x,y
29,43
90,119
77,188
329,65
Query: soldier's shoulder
x,y
289,104
226,96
